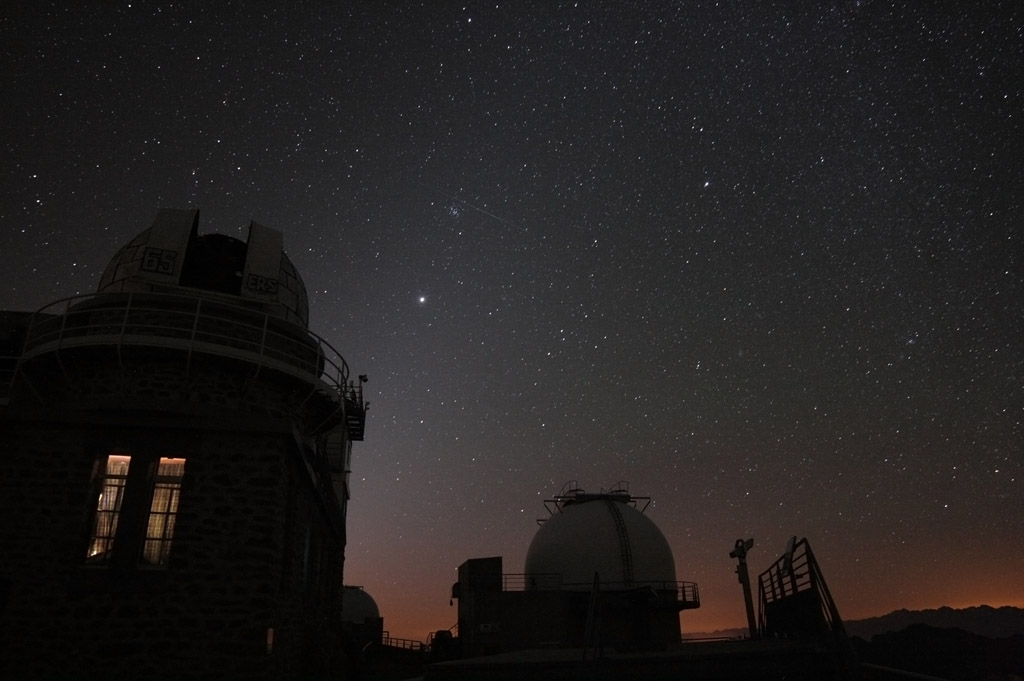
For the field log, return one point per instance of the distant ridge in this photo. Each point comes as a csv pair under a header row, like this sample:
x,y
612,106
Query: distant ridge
x,y
983,620
717,633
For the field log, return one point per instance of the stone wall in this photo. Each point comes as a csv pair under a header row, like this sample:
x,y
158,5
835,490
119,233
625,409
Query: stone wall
x,y
147,375
253,549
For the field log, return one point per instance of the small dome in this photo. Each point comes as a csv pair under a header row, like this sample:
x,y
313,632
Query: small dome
x,y
599,533
357,606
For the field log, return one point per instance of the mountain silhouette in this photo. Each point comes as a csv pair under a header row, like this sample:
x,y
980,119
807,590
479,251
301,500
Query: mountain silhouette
x,y
982,620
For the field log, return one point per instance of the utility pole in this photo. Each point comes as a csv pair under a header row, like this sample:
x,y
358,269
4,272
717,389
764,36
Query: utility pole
x,y
740,554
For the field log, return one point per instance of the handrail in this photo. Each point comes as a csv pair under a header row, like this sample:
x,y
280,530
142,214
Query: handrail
x,y
685,592
797,572
795,602
192,324
403,643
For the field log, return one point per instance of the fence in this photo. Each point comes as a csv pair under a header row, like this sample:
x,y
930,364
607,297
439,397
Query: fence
x,y
191,324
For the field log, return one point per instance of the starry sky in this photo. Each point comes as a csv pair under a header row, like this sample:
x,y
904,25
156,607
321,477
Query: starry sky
x,y
763,261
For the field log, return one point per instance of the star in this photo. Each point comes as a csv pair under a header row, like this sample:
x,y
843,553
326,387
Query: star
x,y
761,322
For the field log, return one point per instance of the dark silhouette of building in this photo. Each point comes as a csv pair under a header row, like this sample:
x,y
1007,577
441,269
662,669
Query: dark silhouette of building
x,y
362,629
598,573
598,599
176,449
360,618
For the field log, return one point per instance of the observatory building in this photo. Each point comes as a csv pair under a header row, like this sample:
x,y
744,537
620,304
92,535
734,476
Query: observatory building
x,y
598,599
361,623
598,570
176,450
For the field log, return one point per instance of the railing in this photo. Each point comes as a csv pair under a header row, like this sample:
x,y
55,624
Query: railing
x,y
685,593
449,633
403,643
795,603
788,576
194,325
794,598
521,582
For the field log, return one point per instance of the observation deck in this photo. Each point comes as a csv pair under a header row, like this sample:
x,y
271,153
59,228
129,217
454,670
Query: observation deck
x,y
193,327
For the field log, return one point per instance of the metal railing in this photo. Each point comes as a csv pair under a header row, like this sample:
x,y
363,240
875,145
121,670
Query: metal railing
x,y
403,643
686,593
794,597
193,325
795,602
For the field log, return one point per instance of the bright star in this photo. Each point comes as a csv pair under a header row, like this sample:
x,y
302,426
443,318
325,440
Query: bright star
x,y
423,299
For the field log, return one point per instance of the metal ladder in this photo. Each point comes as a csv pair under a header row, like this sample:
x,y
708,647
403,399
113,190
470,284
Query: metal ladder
x,y
625,552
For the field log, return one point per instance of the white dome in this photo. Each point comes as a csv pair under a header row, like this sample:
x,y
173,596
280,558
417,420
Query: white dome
x,y
601,534
357,606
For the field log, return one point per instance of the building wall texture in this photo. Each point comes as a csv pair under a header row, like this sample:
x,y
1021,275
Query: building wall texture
x,y
251,586
253,550
102,398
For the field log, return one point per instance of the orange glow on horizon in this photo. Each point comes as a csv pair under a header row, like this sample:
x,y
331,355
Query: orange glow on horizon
x,y
418,624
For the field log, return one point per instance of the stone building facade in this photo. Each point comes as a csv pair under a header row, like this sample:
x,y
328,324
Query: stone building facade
x,y
175,457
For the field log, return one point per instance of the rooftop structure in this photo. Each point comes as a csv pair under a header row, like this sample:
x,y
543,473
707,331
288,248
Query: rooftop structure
x,y
597,570
599,599
177,448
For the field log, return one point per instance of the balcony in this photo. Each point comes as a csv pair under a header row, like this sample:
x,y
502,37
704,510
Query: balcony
x,y
194,327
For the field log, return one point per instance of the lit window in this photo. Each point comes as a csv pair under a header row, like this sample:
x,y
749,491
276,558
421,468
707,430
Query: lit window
x,y
163,510
111,483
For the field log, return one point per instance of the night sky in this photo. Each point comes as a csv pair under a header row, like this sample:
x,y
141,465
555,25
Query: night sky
x,y
764,262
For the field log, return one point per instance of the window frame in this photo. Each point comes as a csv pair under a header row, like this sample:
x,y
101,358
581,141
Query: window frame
x,y
163,510
132,541
106,512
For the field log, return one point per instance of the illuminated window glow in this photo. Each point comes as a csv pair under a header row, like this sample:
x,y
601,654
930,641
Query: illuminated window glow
x,y
163,510
112,483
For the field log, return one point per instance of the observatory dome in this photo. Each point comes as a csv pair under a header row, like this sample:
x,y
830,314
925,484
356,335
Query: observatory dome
x,y
602,533
357,606
215,263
